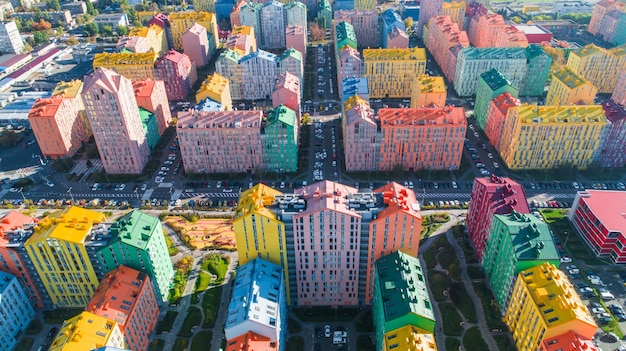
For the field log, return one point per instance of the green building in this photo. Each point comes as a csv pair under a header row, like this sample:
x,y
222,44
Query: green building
x,y
150,127
345,36
490,84
136,240
324,13
537,69
280,139
516,242
401,309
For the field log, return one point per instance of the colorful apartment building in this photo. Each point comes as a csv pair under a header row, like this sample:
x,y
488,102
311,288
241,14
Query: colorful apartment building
x,y
258,303
543,305
243,38
295,37
220,142
498,110
151,96
515,242
349,64
428,10
619,93
16,310
361,140
534,33
596,215
134,66
537,70
442,35
117,127
612,153
606,19
292,61
162,20
181,21
228,66
511,37
393,31
390,72
545,137
216,88
483,30
568,88
154,37
287,92
599,66
272,32
178,73
365,23
490,84
296,14
568,341
428,91
354,86
88,331
281,134
150,128
251,341
402,311
493,195
345,36
250,16
472,62
600,10
135,240
126,296
455,10
324,13
197,46
60,241
422,138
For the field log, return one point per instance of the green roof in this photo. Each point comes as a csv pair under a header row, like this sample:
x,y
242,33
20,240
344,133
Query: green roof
x,y
472,53
495,79
534,50
291,52
403,287
231,55
531,237
145,115
136,229
283,114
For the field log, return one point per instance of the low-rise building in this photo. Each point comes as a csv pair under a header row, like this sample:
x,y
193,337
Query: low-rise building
x,y
534,33
111,19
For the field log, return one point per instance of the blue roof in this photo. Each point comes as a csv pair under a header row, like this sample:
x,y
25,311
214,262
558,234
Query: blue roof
x,y
392,19
209,105
260,54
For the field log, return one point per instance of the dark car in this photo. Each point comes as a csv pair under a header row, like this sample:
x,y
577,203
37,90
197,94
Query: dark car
x,y
318,332
52,332
604,321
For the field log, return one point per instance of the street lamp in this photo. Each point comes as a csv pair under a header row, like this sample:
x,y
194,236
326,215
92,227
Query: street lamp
x,y
22,192
566,237
71,196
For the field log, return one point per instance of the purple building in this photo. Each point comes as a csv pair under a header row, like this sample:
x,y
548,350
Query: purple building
x,y
612,152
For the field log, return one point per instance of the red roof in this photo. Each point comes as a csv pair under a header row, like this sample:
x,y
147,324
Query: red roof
x,y
14,220
569,341
504,194
609,206
614,112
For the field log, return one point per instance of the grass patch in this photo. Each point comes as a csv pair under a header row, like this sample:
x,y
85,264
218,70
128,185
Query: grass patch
x,y
452,344
34,327
504,342
365,324
430,258
210,306
492,313
202,340
295,343
439,282
203,281
451,319
24,344
468,251
165,325
217,265
326,313
178,286
461,299
171,248
573,243
475,272
364,343
195,298
192,319
180,344
60,315
450,262
156,345
473,340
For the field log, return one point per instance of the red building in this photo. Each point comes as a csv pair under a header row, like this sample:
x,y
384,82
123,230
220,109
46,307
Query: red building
x,y
598,216
287,92
126,296
535,34
569,341
178,72
498,108
493,195
443,34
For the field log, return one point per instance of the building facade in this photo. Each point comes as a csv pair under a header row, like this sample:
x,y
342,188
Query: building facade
x,y
280,138
428,91
490,84
349,64
483,30
619,93
151,95
196,45
181,21
361,139
295,37
287,92
134,66
455,10
568,88
366,26
428,10
86,331
599,66
16,310
390,72
612,153
178,73
272,25
538,67
443,34
498,110
10,39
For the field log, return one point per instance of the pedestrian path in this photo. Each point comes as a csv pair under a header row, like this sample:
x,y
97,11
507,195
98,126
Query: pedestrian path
x,y
187,195
81,168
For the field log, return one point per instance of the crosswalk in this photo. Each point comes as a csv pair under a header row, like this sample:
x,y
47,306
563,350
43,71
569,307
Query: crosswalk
x,y
81,168
210,195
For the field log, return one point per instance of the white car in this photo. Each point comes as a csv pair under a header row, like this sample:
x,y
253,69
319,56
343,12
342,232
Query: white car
x,y
158,180
566,259
144,187
490,155
219,184
327,331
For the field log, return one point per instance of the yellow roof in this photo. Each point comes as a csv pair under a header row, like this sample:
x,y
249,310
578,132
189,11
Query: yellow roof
x,y
410,337
68,89
569,77
215,83
87,331
427,84
155,28
245,30
531,114
394,54
138,32
257,200
72,224
196,15
119,58
354,101
454,5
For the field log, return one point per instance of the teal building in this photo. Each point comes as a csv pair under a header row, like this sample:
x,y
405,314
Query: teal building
x,y
401,308
150,127
324,13
516,242
345,36
135,240
490,84
280,139
538,67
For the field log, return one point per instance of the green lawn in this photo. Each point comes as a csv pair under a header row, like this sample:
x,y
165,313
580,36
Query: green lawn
x,y
217,265
210,306
293,326
473,340
439,282
165,325
156,345
451,319
429,258
295,343
34,327
475,272
492,313
461,299
365,323
468,251
201,340
203,281
25,344
192,319
504,342
364,343
60,315
450,262
452,343
180,344
171,248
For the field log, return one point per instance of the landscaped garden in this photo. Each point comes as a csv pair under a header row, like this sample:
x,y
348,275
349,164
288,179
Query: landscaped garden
x,y
192,321
217,265
210,306
431,223
165,325
201,340
201,233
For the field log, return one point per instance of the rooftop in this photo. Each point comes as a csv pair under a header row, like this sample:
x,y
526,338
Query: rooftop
x,y
531,114
45,108
532,29
494,79
69,89
294,29
357,109
260,54
196,29
613,111
569,341
215,83
282,114
5,280
418,54
251,341
288,81
422,116
220,119
192,15
243,30
209,105
72,224
568,77
504,194
14,220
609,206
87,331
398,198
472,53
505,101
136,229
531,237
257,199
122,58
427,84
173,56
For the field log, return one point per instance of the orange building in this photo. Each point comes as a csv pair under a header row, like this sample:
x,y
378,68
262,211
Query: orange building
x,y
397,226
251,341
444,34
126,296
511,37
569,341
151,95
483,30
428,91
498,110
422,138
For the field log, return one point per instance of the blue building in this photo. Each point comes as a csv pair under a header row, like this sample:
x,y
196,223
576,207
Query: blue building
x,y
391,20
354,86
222,11
15,309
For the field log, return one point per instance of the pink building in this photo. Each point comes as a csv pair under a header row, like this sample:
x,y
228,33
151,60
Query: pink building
x,y
126,296
511,37
134,44
433,137
483,30
428,10
113,114
498,109
600,11
235,20
287,92
295,37
151,95
397,39
59,125
613,150
220,141
360,135
366,26
492,195
349,64
178,72
443,34
619,93
196,45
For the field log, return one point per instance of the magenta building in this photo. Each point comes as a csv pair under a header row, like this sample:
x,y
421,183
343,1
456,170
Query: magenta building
x,y
295,37
619,93
178,72
287,92
196,45
612,153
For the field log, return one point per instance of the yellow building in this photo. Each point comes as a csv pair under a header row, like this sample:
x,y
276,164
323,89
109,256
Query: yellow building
x,y
456,11
258,231
248,32
568,88
599,66
155,37
544,137
134,66
58,251
410,337
366,5
428,91
88,331
544,304
181,21
216,88
391,72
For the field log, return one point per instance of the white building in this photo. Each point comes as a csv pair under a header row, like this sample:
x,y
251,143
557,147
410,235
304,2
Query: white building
x,y
273,25
10,40
295,14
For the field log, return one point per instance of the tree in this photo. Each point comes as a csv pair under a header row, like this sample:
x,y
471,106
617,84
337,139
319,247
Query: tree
x,y
40,37
121,30
55,5
306,119
90,29
408,22
71,41
317,33
90,9
516,19
106,31
41,25
558,57
8,138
